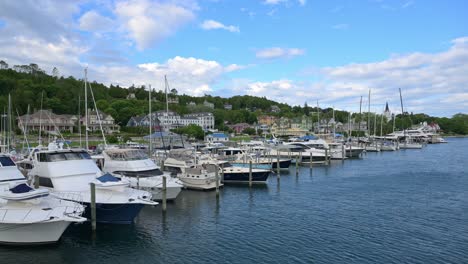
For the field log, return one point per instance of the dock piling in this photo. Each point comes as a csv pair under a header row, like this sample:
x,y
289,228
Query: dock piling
x,y
250,173
93,206
343,153
217,182
278,166
164,194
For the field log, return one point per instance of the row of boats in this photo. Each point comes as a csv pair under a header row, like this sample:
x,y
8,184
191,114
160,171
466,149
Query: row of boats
x,y
45,192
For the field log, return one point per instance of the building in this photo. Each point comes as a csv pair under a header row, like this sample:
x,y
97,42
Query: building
x,y
208,104
216,137
387,113
238,128
174,100
191,104
267,119
170,120
275,109
131,96
48,121
205,120
104,120
228,106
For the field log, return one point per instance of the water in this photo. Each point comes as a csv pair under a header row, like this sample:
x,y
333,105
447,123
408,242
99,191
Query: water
x,y
409,206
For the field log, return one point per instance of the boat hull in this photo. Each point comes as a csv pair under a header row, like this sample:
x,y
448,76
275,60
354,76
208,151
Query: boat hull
x,y
30,234
242,177
171,193
114,213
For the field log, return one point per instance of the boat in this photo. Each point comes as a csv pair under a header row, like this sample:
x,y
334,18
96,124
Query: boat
x,y
193,175
142,173
28,215
68,173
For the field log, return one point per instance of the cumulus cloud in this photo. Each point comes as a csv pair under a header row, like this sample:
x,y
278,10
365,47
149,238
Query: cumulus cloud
x,y
190,75
149,22
276,52
93,21
212,24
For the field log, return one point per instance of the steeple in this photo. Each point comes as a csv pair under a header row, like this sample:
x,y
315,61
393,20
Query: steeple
x,y
386,107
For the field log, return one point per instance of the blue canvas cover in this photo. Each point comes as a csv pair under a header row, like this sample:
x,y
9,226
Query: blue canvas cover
x,y
21,188
108,178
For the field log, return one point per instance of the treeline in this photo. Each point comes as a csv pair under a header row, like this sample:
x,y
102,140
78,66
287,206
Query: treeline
x,y
33,86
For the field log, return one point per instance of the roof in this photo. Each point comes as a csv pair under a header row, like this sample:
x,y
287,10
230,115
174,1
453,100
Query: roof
x,y
218,135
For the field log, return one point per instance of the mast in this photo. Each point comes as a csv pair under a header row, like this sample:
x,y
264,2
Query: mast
x,y
368,114
318,117
9,123
393,117
79,118
334,123
40,119
381,124
360,108
86,107
375,123
150,148
402,115
349,125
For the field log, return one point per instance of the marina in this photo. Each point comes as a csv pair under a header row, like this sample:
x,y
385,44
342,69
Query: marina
x,y
353,211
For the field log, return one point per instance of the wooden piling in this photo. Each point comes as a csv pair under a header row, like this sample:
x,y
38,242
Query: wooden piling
x,y
93,206
327,162
297,164
217,182
343,153
164,194
278,166
250,173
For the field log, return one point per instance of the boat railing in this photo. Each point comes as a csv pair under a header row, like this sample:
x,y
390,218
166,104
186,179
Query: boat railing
x,y
50,212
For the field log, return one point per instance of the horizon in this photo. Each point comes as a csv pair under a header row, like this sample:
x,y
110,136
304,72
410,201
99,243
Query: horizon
x,y
331,52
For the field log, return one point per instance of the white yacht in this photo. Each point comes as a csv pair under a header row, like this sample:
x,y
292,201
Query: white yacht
x,y
68,173
31,216
142,173
182,162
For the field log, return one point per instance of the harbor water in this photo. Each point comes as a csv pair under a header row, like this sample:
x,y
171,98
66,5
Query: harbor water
x,y
407,206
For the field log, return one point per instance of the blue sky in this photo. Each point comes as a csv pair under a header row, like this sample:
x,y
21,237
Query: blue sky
x,y
292,51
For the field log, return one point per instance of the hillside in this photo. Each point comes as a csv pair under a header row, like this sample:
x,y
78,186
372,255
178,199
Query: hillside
x,y
27,84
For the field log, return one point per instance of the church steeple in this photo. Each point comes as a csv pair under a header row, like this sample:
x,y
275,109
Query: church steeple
x,y
386,107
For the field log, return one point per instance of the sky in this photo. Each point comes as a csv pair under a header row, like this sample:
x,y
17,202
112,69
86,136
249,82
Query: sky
x,y
291,51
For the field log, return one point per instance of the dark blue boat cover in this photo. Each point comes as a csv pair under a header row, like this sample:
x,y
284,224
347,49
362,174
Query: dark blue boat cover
x,y
21,188
108,178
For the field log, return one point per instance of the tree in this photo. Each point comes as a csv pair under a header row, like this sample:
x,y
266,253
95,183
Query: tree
x,y
249,131
55,72
3,65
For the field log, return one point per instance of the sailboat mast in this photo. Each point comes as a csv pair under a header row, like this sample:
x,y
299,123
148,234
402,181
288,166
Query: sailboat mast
x,y
86,107
334,123
150,148
402,114
375,123
40,119
381,125
318,117
360,112
9,123
79,118
368,114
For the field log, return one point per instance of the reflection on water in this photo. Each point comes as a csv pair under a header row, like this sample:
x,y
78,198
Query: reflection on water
x,y
401,207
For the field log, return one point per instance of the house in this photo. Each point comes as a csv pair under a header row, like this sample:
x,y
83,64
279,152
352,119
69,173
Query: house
x,y
217,137
47,121
238,128
208,104
135,121
191,104
131,96
275,109
267,119
103,120
228,106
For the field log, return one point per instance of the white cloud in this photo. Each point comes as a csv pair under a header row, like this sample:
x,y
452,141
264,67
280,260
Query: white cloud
x,y
212,24
276,52
189,75
302,2
274,2
148,22
94,22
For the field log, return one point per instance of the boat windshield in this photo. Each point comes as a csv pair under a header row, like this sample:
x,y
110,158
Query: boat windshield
x,y
128,155
61,156
6,161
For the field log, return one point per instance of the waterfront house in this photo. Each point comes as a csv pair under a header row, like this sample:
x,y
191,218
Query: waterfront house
x,y
48,121
216,137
